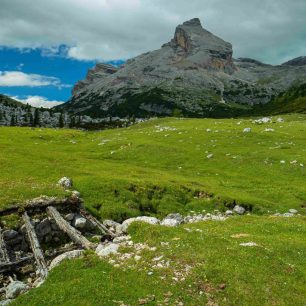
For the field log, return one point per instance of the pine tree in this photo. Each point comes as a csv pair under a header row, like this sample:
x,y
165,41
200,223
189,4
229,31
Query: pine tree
x,y
61,123
36,121
12,120
72,122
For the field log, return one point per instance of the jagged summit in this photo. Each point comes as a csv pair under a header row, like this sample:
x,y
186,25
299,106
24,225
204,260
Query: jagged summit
x,y
193,74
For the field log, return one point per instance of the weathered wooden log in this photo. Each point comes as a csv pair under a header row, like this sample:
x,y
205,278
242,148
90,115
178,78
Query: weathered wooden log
x,y
3,250
74,234
41,203
96,223
15,265
35,246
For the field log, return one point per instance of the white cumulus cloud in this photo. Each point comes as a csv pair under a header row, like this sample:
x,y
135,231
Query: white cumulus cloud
x,y
38,101
18,78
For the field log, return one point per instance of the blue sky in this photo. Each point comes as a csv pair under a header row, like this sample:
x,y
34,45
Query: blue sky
x,y
41,73
68,71
47,46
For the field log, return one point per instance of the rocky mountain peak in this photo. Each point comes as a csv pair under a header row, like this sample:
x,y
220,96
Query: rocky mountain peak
x,y
202,48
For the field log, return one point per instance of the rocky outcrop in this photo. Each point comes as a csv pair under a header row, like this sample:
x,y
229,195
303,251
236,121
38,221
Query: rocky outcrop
x,y
194,74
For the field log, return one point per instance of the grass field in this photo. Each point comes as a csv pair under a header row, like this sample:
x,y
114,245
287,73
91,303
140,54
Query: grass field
x,y
174,165
220,270
161,166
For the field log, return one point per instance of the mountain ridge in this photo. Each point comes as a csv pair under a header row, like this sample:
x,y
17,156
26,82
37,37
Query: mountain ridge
x,y
194,75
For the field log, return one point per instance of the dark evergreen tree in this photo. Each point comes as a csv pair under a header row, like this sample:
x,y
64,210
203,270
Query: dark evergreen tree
x,y
61,122
36,121
13,120
72,122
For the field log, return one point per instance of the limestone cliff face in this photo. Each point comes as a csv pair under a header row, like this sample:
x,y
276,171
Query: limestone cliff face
x,y
194,74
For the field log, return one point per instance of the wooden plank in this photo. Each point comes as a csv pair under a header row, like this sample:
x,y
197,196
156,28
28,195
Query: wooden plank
x,y
41,203
35,246
3,250
15,265
74,234
96,223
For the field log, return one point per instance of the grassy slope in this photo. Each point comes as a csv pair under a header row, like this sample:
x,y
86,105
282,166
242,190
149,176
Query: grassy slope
x,y
271,274
125,172
292,100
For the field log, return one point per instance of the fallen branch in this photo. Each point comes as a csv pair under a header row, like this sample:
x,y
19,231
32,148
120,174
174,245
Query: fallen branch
x,y
74,234
96,223
35,246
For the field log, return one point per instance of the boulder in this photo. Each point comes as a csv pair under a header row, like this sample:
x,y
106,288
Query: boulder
x,y
9,234
70,217
65,182
14,289
5,302
293,211
104,250
239,210
44,227
80,222
68,255
173,220
128,222
229,213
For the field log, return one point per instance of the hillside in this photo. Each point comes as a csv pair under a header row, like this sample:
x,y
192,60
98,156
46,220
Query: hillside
x,y
290,101
207,266
193,75
197,167
119,177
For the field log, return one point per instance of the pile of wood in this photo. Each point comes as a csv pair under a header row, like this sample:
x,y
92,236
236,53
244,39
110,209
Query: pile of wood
x,y
52,208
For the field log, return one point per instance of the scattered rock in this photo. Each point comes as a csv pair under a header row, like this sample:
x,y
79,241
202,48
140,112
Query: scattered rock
x,y
75,194
128,222
103,250
247,130
14,289
280,120
249,244
70,217
173,220
44,227
293,211
5,302
79,222
9,234
229,213
209,156
68,255
239,210
65,182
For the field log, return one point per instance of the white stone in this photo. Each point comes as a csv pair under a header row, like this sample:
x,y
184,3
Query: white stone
x,y
247,130
239,210
209,156
65,182
172,220
293,211
229,213
249,244
68,255
128,222
104,250
80,222
14,289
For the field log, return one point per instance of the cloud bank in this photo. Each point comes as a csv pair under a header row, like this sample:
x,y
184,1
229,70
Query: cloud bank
x,y
272,31
18,78
38,101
